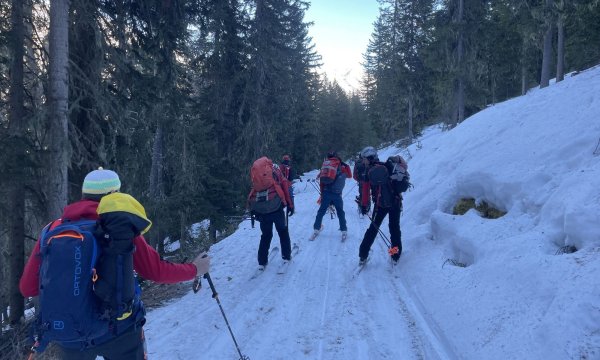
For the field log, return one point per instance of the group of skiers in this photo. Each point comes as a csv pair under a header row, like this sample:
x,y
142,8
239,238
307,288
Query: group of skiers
x,y
83,265
379,183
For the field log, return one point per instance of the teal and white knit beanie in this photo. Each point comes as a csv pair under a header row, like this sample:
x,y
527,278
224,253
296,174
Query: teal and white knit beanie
x,y
100,182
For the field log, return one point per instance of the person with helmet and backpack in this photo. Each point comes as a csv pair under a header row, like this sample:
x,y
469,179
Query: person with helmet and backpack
x,y
268,197
360,175
387,181
82,269
288,173
332,179
286,168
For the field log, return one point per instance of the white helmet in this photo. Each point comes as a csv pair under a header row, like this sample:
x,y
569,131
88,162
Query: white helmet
x,y
369,153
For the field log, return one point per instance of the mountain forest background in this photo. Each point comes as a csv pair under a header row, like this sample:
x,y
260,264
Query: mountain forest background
x,y
179,97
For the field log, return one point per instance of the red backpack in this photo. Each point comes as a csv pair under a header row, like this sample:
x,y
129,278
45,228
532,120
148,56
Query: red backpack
x,y
266,195
261,174
329,170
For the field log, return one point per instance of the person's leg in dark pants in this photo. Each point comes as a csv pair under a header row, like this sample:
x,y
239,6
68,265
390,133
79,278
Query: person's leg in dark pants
x,y
325,201
371,233
266,229
394,225
338,203
284,235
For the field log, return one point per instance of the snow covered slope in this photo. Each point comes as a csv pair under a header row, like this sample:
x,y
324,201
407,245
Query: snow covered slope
x,y
518,297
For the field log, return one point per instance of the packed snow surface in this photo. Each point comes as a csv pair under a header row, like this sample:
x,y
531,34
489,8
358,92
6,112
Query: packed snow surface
x,y
518,296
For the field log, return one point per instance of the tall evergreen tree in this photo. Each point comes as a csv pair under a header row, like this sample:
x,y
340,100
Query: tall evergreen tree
x,y
58,96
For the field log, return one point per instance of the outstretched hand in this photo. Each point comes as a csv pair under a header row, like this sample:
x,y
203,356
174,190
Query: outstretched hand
x,y
202,263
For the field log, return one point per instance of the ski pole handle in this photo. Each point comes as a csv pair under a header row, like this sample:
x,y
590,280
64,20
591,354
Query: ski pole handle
x,y
197,285
212,286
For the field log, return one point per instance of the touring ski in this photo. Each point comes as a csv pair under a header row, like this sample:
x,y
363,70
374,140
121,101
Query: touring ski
x,y
315,234
361,266
286,263
262,268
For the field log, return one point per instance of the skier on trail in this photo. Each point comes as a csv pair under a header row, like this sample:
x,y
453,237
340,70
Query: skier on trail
x,y
332,176
360,175
268,197
386,182
288,172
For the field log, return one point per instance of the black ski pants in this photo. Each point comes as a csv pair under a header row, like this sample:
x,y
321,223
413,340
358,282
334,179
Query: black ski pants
x,y
267,221
128,346
394,226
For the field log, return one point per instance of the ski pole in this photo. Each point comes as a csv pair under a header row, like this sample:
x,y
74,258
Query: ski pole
x,y
216,297
392,250
385,239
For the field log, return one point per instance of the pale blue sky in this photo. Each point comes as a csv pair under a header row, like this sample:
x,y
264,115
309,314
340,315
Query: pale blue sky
x,y
341,33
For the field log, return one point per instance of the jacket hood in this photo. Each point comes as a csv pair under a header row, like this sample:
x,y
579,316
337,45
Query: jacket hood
x,y
82,209
120,202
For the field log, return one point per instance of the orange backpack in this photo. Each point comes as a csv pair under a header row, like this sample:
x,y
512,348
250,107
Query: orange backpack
x,y
261,174
266,195
329,171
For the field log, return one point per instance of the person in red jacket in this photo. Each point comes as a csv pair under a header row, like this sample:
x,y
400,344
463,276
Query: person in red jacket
x,y
128,343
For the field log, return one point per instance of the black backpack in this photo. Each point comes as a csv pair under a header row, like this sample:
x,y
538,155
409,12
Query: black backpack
x,y
381,188
399,176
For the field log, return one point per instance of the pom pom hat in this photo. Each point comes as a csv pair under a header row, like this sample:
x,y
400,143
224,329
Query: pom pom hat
x,y
100,182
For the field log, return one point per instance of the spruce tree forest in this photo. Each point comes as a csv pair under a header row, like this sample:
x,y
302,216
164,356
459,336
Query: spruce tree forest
x,y
179,97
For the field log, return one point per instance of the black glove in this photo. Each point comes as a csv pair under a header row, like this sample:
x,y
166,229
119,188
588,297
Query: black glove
x,y
364,210
290,211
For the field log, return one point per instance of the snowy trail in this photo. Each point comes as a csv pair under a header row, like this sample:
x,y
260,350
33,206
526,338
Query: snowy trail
x,y
300,314
516,297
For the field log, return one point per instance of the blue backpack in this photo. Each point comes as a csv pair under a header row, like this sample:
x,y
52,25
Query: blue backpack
x,y
69,310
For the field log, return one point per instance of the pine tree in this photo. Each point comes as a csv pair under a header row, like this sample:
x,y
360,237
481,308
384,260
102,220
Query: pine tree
x,y
58,92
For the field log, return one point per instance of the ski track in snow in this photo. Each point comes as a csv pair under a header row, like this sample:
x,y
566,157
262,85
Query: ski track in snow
x,y
298,311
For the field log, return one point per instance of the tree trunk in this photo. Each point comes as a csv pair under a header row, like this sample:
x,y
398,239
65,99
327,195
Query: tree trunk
x,y
58,141
524,68
560,50
212,232
547,52
156,170
16,195
410,113
460,96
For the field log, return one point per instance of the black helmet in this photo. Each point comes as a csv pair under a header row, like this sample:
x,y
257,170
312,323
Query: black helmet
x,y
331,153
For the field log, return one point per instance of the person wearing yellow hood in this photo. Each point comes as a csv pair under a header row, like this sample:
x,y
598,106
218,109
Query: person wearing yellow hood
x,y
123,222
